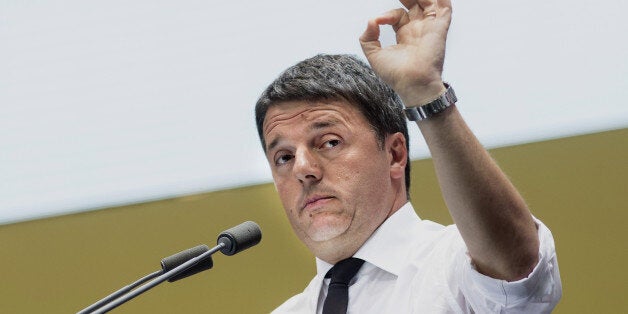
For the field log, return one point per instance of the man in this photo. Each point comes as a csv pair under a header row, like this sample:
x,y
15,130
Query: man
x,y
336,139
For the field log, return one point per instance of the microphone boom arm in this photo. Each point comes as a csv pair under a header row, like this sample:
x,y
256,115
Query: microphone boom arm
x,y
230,242
120,292
175,271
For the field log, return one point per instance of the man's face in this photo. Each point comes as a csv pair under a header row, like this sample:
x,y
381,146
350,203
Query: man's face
x,y
336,182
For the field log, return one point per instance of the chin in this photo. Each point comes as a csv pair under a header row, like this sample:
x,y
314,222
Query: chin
x,y
327,231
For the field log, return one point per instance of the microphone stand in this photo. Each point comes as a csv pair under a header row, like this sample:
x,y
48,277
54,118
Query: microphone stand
x,y
110,302
120,292
230,242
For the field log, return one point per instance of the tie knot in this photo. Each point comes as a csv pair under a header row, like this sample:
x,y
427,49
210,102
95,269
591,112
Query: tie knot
x,y
344,270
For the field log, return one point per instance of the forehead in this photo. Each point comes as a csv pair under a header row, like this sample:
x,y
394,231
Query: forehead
x,y
309,114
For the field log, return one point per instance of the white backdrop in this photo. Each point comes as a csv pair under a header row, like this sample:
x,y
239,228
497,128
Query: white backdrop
x,y
112,102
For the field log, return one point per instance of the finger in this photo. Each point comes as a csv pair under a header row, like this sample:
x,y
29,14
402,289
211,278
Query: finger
x,y
423,5
408,3
369,41
423,9
444,4
371,33
420,9
428,5
436,6
396,18
439,9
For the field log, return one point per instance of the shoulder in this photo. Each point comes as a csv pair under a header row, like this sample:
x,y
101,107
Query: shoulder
x,y
433,238
296,304
304,302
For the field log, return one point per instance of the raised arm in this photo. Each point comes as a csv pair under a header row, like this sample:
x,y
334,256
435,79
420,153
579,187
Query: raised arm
x,y
492,217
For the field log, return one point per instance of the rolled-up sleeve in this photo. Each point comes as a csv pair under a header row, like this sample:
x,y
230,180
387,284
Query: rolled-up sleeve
x,y
537,293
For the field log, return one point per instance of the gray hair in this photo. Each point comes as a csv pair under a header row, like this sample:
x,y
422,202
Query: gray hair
x,y
339,77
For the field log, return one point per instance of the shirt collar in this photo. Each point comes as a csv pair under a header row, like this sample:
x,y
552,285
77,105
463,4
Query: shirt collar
x,y
388,245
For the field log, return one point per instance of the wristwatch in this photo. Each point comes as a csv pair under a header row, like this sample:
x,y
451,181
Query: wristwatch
x,y
438,105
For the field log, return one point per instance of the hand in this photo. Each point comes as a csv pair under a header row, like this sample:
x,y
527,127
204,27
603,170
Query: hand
x,y
413,67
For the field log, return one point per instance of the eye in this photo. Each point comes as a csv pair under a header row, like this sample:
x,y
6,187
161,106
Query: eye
x,y
331,143
283,159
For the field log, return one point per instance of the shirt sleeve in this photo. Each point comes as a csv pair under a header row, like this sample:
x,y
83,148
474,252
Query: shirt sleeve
x,y
537,293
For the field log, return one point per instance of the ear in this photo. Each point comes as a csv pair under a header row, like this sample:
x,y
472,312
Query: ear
x,y
398,154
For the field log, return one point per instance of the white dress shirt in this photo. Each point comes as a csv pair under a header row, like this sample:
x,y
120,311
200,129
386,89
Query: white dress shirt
x,y
418,266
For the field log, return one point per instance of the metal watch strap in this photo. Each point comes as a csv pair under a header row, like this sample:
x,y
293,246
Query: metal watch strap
x,y
444,101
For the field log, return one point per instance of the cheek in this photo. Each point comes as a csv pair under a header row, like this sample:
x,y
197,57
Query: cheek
x,y
284,194
370,180
288,194
347,175
364,169
290,214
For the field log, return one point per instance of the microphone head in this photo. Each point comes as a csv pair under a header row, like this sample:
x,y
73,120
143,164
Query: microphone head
x,y
239,238
171,262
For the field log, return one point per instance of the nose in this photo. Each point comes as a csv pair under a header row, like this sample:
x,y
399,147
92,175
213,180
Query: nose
x,y
307,168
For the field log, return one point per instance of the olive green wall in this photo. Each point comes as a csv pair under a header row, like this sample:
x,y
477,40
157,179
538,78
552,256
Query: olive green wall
x,y
576,185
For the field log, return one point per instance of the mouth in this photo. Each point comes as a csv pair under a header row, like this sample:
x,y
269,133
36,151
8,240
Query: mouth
x,y
315,201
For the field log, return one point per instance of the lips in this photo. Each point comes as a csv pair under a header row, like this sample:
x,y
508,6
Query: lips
x,y
315,200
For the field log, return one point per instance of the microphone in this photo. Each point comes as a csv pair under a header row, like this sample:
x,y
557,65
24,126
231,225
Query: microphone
x,y
184,264
171,262
239,238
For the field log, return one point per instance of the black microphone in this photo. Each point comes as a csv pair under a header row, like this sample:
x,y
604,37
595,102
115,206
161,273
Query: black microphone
x,y
184,264
171,262
239,238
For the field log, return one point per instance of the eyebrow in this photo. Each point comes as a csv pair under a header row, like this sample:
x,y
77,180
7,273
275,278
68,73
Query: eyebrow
x,y
318,125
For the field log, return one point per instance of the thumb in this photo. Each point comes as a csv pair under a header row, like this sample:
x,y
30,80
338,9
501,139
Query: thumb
x,y
370,39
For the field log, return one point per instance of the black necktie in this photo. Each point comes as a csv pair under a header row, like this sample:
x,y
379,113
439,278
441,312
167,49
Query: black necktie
x,y
338,291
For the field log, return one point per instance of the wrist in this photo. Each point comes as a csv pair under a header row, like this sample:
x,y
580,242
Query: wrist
x,y
434,107
419,96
